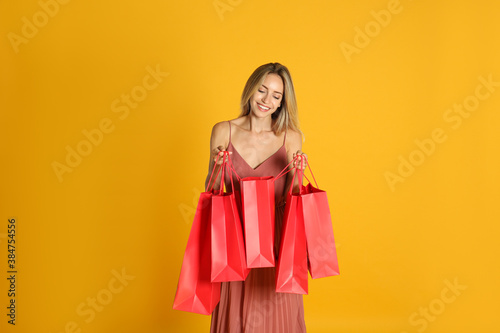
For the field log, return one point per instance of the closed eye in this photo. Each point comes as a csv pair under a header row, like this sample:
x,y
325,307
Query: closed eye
x,y
262,91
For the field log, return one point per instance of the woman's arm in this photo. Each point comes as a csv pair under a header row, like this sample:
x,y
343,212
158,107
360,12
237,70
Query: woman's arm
x,y
218,143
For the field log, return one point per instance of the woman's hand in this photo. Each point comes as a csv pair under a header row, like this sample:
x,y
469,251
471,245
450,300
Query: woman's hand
x,y
219,151
300,162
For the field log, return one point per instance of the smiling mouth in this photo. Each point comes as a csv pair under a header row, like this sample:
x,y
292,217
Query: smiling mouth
x,y
263,108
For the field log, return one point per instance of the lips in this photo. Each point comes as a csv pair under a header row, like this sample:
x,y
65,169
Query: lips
x,y
263,108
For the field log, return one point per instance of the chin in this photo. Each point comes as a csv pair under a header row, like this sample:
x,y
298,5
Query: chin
x,y
261,115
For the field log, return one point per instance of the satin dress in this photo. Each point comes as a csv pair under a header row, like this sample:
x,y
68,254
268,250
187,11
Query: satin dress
x,y
253,305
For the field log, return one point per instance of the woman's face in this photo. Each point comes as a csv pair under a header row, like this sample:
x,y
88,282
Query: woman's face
x,y
267,98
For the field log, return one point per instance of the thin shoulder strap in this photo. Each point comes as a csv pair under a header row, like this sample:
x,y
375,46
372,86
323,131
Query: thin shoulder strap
x,y
284,139
229,131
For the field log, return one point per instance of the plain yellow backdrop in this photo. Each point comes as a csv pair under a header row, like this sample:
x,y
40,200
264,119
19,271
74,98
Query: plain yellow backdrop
x,y
399,102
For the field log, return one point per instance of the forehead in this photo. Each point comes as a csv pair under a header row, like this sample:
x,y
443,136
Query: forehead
x,y
273,82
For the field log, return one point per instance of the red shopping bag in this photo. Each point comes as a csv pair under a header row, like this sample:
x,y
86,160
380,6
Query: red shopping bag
x,y
228,248
291,270
321,249
195,291
257,208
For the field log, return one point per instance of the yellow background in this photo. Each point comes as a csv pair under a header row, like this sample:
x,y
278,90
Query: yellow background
x,y
130,202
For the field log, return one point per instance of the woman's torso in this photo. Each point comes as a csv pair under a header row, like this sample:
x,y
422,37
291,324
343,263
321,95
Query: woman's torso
x,y
271,166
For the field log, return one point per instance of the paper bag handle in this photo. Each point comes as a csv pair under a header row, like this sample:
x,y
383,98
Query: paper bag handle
x,y
229,166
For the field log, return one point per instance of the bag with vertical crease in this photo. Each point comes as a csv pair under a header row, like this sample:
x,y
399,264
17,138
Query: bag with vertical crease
x,y
258,211
195,291
228,247
321,249
291,270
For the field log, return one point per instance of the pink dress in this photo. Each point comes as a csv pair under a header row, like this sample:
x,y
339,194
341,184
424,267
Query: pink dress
x,y
253,305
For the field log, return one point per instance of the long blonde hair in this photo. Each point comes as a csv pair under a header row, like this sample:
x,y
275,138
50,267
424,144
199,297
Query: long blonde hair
x,y
286,116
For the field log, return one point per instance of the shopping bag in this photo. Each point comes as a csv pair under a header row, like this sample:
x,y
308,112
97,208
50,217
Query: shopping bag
x,y
291,269
321,249
228,248
257,208
195,291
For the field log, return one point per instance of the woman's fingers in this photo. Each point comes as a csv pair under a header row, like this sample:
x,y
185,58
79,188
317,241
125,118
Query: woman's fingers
x,y
219,152
302,162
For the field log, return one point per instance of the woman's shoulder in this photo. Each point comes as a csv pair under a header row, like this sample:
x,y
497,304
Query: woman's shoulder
x,y
293,141
223,126
293,135
221,131
220,126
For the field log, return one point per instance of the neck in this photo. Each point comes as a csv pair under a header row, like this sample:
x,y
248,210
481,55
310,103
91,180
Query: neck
x,y
258,125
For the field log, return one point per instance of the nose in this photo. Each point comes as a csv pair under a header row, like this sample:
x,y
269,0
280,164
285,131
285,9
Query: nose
x,y
265,98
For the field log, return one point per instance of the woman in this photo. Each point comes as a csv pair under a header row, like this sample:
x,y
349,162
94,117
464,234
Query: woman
x,y
262,141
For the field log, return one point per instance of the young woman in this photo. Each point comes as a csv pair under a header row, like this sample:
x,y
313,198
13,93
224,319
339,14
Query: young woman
x,y
262,141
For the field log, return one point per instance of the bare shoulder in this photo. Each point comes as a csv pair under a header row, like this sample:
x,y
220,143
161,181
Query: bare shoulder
x,y
220,134
220,127
293,143
294,139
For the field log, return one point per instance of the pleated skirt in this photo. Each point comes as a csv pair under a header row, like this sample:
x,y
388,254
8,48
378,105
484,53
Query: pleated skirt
x,y
254,306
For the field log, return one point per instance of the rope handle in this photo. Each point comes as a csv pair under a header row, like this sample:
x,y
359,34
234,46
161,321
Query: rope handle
x,y
225,164
210,180
300,174
303,174
315,182
285,168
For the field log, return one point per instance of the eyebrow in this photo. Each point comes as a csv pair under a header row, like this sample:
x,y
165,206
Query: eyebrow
x,y
275,91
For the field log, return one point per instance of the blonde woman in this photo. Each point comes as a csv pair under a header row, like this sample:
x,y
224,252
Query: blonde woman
x,y
262,141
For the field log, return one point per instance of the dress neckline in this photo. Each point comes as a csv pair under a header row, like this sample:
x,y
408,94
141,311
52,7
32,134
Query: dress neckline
x,y
263,162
